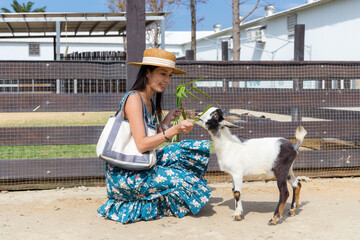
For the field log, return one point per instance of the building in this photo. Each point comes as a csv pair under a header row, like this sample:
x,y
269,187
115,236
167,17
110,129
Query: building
x,y
330,34
38,36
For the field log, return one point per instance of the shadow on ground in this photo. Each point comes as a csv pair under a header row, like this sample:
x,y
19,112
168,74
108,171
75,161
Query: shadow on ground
x,y
262,207
208,209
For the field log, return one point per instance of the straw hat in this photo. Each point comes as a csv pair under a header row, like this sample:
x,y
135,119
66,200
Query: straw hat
x,y
160,58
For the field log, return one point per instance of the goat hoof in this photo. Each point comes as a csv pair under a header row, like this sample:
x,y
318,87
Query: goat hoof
x,y
237,217
292,212
273,221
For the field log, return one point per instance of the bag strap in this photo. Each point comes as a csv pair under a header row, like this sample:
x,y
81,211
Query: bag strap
x,y
142,100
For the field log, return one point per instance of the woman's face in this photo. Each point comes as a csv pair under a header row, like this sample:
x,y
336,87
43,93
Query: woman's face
x,y
159,78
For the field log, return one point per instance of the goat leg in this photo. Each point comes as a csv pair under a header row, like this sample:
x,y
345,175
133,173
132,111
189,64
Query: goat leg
x,y
284,194
295,200
237,181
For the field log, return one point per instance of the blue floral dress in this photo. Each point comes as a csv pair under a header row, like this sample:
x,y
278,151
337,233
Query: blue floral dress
x,y
174,186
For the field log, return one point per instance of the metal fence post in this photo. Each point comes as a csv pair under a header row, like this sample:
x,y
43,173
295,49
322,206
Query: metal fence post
x,y
299,43
189,55
224,50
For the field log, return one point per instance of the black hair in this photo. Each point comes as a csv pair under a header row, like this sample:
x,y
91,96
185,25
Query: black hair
x,y
140,84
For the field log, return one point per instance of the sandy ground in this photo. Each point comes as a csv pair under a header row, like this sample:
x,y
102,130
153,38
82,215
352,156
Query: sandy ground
x,y
330,209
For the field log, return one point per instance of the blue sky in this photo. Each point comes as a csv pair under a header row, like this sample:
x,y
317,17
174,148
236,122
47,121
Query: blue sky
x,y
213,12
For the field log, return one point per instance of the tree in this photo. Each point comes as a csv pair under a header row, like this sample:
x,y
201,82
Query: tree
x,y
152,32
118,6
236,30
193,26
236,25
193,4
22,8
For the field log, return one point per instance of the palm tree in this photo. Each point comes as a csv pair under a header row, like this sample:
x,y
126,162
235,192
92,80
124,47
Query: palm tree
x,y
22,8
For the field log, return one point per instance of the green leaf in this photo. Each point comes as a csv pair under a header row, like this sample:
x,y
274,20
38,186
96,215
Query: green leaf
x,y
194,96
172,94
202,114
201,92
180,91
178,102
183,114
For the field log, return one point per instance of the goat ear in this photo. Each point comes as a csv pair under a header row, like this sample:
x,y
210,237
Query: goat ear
x,y
230,125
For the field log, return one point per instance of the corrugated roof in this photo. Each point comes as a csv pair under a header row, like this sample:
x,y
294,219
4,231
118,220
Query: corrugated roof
x,y
71,24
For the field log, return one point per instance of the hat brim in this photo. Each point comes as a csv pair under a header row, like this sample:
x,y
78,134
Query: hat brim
x,y
176,70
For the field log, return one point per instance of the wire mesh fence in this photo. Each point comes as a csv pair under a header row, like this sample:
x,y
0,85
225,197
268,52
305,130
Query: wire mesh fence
x,y
52,114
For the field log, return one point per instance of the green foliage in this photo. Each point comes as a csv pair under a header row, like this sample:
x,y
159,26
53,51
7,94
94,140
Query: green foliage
x,y
22,8
202,114
55,151
181,93
47,151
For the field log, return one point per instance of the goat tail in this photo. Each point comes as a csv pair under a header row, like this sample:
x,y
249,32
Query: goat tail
x,y
300,134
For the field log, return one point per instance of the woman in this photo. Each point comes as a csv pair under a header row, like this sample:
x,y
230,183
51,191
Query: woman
x,y
175,185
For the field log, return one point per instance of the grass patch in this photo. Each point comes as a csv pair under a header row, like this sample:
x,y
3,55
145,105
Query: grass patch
x,y
54,119
55,151
48,151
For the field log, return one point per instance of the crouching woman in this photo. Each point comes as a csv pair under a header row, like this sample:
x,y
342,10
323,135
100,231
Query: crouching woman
x,y
175,185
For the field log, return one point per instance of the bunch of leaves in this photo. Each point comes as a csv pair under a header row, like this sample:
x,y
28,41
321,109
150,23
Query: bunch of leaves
x,y
183,92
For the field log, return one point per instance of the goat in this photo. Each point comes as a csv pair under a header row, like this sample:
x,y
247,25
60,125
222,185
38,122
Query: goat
x,y
261,159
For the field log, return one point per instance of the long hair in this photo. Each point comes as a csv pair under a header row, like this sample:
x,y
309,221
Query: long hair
x,y
140,84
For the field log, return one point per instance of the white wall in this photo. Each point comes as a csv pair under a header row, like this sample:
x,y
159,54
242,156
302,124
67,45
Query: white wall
x,y
18,49
331,34
333,31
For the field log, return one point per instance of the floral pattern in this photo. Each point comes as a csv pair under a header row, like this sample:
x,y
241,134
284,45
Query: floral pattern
x,y
175,186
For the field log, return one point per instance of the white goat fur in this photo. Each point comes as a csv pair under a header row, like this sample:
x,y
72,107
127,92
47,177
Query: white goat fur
x,y
254,159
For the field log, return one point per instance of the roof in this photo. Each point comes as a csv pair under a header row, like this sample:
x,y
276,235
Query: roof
x,y
171,38
182,37
71,24
258,21
287,12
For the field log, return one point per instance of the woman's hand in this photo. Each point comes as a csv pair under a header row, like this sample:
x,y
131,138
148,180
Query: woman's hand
x,y
184,127
172,114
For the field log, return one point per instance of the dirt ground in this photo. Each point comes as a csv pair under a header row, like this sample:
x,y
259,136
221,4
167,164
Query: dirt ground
x,y
329,209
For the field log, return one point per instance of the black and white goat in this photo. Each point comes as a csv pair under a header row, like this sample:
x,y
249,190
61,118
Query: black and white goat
x,y
261,159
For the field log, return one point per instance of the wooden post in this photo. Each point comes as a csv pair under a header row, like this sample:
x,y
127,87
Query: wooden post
x,y
135,32
54,47
299,45
224,50
299,42
189,55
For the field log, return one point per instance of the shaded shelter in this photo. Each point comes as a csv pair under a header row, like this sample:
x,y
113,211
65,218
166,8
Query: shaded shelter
x,y
57,25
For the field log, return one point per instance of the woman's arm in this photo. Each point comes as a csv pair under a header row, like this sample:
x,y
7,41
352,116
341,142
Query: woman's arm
x,y
133,112
171,116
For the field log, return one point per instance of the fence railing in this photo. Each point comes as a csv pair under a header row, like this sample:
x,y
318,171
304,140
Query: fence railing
x,y
49,111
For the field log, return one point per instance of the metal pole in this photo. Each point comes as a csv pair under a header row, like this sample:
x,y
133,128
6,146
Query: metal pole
x,y
58,86
54,47
299,46
190,55
163,34
224,51
57,40
299,42
75,86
